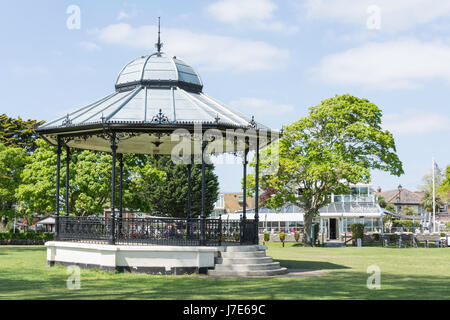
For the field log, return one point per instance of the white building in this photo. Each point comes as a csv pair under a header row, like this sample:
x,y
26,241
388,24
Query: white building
x,y
360,206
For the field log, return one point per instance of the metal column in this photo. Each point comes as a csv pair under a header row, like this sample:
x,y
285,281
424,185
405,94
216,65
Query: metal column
x,y
67,180
58,176
112,239
203,214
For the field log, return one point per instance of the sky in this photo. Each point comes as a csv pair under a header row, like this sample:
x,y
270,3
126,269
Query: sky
x,y
271,59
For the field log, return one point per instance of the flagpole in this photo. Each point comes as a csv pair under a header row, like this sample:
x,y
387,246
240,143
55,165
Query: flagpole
x,y
434,201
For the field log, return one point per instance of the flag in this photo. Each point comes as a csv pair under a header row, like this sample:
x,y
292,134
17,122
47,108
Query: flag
x,y
438,170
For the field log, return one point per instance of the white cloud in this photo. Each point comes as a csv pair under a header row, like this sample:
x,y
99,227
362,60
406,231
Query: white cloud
x,y
392,65
234,11
89,46
29,70
396,15
201,49
416,122
261,107
255,13
128,12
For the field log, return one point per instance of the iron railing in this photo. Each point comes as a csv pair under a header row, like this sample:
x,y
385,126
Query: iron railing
x,y
157,231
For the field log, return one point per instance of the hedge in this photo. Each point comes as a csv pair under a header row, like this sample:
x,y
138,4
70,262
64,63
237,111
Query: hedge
x,y
25,238
406,223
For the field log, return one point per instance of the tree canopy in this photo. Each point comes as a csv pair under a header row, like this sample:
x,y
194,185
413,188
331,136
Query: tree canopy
x,y
169,199
12,164
337,144
18,133
89,181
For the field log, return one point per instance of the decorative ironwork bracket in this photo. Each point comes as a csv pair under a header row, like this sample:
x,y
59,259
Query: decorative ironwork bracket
x,y
160,118
252,123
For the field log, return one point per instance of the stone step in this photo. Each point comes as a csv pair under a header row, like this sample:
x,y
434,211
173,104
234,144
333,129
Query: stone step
x,y
248,273
241,248
243,254
257,260
334,244
248,267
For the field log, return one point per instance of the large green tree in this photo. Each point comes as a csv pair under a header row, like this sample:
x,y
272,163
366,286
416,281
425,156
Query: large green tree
x,y
170,198
89,181
18,133
12,164
337,144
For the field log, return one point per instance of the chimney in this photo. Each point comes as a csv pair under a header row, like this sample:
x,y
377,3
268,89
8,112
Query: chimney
x,y
379,189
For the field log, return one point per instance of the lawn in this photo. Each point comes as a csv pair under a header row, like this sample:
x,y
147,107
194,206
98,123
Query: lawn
x,y
405,274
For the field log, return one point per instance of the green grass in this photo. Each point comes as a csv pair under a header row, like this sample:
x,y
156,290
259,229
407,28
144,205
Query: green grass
x,y
405,274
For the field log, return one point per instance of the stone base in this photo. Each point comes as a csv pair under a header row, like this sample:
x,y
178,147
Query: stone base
x,y
177,260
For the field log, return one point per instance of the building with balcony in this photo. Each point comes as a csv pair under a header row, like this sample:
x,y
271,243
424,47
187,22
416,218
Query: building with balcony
x,y
358,206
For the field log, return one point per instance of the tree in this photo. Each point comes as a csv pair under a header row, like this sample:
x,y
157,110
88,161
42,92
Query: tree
x,y
170,198
444,188
12,164
337,144
408,211
89,181
427,201
18,133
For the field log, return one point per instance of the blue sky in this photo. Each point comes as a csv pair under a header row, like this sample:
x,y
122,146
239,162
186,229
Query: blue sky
x,y
271,59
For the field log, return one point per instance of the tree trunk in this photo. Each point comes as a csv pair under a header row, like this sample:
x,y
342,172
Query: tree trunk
x,y
307,220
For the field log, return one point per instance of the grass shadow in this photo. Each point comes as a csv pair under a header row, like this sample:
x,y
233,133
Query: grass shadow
x,y
313,265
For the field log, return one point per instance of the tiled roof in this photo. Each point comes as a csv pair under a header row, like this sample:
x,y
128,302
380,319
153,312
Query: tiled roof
x,y
406,196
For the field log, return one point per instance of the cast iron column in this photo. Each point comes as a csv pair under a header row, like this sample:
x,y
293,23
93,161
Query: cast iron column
x,y
188,212
203,216
112,239
244,205
120,192
257,189
58,168
67,180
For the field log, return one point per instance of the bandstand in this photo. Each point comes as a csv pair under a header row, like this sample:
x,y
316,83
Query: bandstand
x,y
158,107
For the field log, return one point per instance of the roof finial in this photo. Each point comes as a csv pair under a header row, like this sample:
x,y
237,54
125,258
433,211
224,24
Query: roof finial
x,y
159,44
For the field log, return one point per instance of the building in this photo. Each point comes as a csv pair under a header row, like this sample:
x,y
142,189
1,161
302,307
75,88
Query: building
x,y
230,202
403,198
358,206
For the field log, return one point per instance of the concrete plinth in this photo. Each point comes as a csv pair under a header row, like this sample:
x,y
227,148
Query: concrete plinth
x,y
141,259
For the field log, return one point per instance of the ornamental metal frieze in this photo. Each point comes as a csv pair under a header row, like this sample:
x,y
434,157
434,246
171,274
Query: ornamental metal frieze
x,y
160,118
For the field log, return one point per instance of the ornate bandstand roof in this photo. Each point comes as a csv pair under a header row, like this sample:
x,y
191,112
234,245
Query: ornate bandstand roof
x,y
154,95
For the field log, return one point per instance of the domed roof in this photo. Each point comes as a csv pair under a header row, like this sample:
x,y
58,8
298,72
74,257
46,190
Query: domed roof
x,y
158,69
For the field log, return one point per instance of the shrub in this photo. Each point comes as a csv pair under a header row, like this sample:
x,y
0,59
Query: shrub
x,y
316,231
442,234
297,236
392,237
357,230
406,223
236,236
376,237
282,237
266,237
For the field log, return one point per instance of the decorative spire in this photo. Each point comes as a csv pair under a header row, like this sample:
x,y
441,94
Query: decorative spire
x,y
159,44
